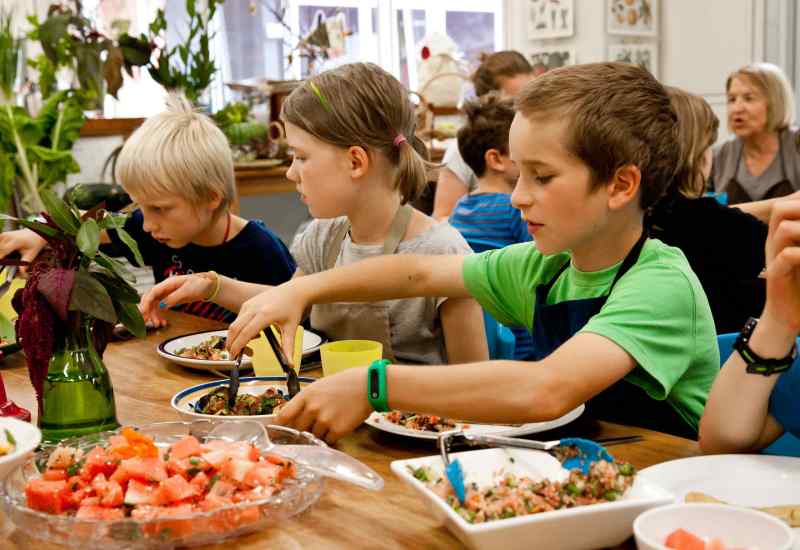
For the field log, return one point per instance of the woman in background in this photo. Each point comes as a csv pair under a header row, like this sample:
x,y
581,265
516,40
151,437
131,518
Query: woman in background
x,y
761,161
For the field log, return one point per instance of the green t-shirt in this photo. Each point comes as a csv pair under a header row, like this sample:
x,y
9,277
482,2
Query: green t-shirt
x,y
657,312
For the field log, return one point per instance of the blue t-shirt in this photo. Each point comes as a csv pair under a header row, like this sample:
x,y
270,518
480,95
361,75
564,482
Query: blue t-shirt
x,y
784,403
488,221
255,255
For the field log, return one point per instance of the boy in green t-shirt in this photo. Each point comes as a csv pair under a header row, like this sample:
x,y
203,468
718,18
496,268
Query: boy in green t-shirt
x,y
618,321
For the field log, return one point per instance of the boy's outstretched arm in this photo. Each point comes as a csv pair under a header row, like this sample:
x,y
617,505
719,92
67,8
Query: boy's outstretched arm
x,y
492,391
383,278
736,417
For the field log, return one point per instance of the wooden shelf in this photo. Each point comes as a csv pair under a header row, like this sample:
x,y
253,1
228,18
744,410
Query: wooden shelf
x,y
103,127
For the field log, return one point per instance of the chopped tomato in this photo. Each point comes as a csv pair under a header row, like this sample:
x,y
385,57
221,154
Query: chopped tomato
x,y
55,475
186,447
99,512
680,539
48,496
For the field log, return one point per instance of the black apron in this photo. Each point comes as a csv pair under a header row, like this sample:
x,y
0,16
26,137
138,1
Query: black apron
x,y
623,402
738,194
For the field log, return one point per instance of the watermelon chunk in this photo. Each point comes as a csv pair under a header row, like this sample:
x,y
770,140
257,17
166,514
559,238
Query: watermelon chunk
x,y
680,539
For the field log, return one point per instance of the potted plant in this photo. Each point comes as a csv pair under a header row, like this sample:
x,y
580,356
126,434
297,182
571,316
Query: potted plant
x,y
186,67
246,135
36,152
70,40
73,296
10,50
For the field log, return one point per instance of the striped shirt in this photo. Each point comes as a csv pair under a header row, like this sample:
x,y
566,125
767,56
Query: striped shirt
x,y
488,221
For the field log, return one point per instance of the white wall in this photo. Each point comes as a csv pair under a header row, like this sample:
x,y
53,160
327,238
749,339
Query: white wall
x,y
700,41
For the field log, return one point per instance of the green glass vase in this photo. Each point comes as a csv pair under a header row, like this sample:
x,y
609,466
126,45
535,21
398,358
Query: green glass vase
x,y
77,398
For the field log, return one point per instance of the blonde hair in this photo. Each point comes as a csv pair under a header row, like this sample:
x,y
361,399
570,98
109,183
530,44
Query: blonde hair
x,y
180,152
697,131
772,82
360,104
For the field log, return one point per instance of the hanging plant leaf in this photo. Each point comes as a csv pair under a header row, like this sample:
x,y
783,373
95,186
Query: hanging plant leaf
x,y
118,289
61,214
91,297
41,229
56,286
88,239
112,70
128,240
130,316
114,266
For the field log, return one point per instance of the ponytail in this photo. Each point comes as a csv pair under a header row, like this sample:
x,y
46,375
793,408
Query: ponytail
x,y
412,168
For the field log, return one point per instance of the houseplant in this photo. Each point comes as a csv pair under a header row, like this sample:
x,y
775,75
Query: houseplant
x,y
10,50
36,152
73,297
245,134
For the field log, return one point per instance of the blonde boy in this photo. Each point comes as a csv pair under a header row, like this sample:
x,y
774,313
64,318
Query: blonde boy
x,y
618,321
178,169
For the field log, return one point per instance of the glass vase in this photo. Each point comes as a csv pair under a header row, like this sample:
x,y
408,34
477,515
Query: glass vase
x,y
77,398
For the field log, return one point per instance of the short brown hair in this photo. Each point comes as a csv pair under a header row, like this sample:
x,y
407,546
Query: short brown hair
x,y
617,114
488,123
363,105
506,63
697,131
772,82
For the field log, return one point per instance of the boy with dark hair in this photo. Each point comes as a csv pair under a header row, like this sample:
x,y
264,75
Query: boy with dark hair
x,y
619,321
485,217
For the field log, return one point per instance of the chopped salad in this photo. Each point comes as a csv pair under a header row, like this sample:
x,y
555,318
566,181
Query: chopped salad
x,y
512,495
246,404
131,477
212,349
421,422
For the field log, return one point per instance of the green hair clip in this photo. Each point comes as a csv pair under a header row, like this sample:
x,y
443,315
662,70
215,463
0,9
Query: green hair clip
x,y
319,95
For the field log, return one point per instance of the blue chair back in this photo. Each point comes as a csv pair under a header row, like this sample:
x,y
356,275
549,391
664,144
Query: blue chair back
x,y
785,445
499,337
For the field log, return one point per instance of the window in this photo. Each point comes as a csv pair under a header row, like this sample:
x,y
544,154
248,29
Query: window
x,y
251,43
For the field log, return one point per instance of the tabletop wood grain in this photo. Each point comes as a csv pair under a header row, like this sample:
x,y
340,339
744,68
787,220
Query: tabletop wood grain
x,y
345,516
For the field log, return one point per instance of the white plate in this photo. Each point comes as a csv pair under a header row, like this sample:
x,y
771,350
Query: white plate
x,y
745,480
378,420
579,528
168,348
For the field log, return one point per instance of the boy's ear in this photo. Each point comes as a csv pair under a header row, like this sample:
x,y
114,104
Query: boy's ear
x,y
624,186
358,160
494,160
214,200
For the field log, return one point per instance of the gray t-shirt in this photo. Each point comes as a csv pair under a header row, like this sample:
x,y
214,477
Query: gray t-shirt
x,y
414,322
727,156
454,161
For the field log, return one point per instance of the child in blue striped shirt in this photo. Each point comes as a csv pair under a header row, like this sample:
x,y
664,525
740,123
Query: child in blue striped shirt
x,y
485,217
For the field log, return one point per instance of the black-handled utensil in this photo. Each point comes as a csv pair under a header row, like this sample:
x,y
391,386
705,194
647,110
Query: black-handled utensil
x,y
233,384
292,384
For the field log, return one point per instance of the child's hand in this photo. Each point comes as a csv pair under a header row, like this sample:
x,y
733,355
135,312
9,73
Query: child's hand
x,y
280,306
330,407
181,289
24,241
783,265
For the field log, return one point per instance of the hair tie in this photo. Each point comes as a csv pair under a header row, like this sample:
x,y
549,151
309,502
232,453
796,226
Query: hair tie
x,y
399,139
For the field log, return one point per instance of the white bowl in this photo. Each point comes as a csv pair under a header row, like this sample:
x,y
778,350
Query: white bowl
x,y
579,528
183,401
27,437
735,527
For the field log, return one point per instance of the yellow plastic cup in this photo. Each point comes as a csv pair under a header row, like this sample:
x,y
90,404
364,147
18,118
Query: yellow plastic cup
x,y
6,309
265,363
345,354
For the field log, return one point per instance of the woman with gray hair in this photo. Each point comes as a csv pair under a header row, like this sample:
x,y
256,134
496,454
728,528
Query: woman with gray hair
x,y
762,160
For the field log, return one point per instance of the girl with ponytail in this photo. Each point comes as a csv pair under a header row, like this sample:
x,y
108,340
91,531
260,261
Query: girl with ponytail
x,y
357,166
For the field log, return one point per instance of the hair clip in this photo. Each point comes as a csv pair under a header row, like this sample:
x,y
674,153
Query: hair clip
x,y
319,95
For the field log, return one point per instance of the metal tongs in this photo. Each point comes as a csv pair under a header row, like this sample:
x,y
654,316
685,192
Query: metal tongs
x,y
10,273
292,383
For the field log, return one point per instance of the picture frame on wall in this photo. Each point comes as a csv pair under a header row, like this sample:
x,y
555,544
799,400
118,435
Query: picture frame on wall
x,y
644,55
548,59
550,19
632,17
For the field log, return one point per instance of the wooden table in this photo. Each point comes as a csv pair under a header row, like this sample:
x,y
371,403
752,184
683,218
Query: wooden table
x,y
345,516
